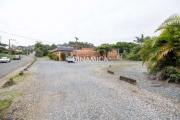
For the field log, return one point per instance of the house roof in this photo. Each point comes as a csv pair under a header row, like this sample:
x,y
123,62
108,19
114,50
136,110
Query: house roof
x,y
62,48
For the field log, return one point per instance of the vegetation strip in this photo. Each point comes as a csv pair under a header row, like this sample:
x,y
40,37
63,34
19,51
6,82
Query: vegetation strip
x,y
162,54
9,96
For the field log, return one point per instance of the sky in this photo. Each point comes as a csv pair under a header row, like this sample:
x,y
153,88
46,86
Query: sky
x,y
93,21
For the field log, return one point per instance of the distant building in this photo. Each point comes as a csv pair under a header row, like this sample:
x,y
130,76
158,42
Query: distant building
x,y
84,52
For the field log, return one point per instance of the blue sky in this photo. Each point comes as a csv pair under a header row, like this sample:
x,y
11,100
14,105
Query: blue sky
x,y
94,21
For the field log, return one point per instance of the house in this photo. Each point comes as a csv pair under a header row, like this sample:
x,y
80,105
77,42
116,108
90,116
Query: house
x,y
83,52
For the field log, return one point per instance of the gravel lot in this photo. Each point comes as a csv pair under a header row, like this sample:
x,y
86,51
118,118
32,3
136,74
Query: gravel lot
x,y
84,91
136,70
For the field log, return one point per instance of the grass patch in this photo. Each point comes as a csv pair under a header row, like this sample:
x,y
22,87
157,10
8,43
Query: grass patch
x,y
9,96
5,104
117,65
44,57
16,78
2,55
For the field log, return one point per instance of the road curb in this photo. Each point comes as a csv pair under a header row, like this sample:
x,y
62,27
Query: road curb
x,y
19,69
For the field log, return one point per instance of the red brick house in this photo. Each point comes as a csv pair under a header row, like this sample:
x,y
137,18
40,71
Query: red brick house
x,y
85,52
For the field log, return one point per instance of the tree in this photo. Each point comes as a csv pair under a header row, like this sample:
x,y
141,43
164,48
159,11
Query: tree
x,y
141,39
2,47
38,47
164,51
39,53
124,46
104,48
45,49
133,55
100,49
83,44
41,49
53,46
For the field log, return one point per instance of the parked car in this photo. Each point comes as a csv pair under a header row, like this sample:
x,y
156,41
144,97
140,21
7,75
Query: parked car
x,y
17,57
70,59
5,59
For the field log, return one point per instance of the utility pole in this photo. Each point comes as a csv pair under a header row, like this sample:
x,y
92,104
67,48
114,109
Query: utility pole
x,y
10,47
27,51
76,44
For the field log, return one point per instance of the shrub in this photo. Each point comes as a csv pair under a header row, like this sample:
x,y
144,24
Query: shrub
x,y
63,56
133,55
39,53
53,56
50,55
173,73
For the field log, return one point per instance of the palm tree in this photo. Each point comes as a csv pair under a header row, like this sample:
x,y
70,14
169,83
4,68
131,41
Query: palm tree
x,y
149,52
170,36
164,50
139,40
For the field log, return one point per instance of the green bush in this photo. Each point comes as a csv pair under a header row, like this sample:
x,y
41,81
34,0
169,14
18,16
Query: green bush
x,y
63,56
53,56
133,55
50,55
39,53
3,55
173,73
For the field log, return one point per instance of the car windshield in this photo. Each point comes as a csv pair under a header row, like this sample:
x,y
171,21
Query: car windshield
x,y
70,56
4,57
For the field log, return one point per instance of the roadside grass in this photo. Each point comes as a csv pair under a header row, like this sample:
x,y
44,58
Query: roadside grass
x,y
15,78
117,64
5,104
12,57
8,95
2,55
44,57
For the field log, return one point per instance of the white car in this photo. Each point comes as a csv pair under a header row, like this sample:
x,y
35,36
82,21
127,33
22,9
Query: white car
x,y
70,59
5,59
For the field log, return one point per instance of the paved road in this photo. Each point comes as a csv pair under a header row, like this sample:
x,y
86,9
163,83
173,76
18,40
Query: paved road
x,y
6,68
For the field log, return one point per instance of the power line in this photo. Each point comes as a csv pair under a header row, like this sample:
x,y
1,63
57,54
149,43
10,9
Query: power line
x,y
24,37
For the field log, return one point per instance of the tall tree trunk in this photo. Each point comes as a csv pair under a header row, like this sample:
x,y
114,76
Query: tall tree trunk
x,y
106,54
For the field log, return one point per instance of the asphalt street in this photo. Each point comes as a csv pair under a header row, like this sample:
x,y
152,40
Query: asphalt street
x,y
6,68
